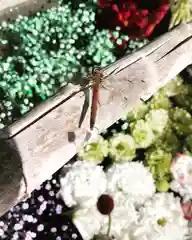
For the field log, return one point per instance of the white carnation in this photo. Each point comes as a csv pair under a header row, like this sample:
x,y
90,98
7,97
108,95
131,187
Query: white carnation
x,y
132,179
88,221
161,218
123,216
181,170
82,184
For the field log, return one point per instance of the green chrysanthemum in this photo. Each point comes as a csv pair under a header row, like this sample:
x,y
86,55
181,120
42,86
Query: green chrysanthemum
x,y
137,113
95,151
168,141
160,100
181,121
184,98
159,161
122,148
173,87
188,145
157,119
142,133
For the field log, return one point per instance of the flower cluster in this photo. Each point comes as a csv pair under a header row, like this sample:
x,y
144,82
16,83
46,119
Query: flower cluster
x,y
155,128
134,18
127,192
41,53
161,218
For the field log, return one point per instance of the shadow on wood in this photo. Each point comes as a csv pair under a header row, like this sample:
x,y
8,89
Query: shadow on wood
x,y
11,175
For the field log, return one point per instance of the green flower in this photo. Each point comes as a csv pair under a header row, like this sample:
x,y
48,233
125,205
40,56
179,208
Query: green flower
x,y
181,12
162,186
160,100
157,119
184,98
168,141
188,145
95,151
138,113
122,148
142,133
173,87
181,121
159,161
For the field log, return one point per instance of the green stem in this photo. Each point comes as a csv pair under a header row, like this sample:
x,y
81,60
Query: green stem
x,y
109,225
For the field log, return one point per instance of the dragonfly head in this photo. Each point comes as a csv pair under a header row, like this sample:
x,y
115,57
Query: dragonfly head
x,y
97,71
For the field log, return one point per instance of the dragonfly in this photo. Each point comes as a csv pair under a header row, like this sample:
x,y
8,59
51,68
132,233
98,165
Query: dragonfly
x,y
95,81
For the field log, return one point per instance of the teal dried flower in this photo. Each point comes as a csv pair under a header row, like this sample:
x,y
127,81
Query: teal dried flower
x,y
142,133
48,50
100,49
122,147
95,151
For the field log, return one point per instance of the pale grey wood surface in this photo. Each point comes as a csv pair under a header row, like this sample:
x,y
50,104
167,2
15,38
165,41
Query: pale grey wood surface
x,y
10,9
49,135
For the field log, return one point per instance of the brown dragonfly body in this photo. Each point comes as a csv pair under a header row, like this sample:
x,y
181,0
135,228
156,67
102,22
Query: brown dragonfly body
x,y
96,78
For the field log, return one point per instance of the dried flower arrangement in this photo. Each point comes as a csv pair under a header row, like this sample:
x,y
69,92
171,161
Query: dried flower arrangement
x,y
122,181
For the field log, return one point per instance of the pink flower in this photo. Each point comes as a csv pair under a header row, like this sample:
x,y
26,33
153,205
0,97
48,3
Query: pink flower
x,y
187,210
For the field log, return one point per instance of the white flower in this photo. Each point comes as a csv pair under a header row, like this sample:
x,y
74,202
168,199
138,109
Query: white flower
x,y
181,170
88,221
161,219
123,216
157,119
132,179
82,184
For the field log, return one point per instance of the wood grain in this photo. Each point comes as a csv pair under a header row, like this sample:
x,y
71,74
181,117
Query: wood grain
x,y
10,9
49,136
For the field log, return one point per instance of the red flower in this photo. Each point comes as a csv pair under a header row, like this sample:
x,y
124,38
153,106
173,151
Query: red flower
x,y
133,19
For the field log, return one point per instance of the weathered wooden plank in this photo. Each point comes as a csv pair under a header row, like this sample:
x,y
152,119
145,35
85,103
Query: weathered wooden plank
x,y
151,53
49,136
10,9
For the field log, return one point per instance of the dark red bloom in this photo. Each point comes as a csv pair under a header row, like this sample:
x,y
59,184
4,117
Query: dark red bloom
x,y
105,204
134,16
